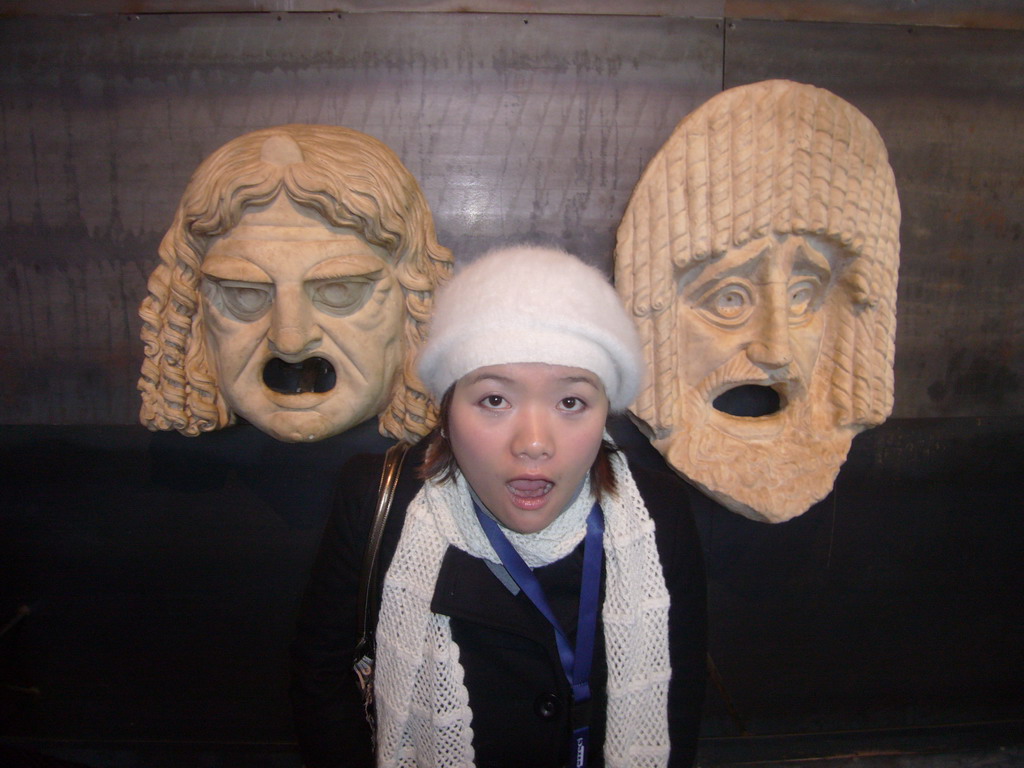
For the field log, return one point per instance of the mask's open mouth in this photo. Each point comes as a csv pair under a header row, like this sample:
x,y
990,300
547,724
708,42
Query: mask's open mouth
x,y
314,374
749,400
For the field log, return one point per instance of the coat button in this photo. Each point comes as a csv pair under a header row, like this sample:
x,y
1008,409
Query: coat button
x,y
546,706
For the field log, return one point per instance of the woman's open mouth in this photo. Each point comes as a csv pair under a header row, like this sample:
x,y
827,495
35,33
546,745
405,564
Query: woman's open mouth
x,y
529,493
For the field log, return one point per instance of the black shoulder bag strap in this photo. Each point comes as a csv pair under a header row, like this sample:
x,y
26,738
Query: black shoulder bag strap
x,y
369,593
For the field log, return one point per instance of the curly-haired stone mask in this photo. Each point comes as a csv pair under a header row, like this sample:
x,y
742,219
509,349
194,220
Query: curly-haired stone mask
x,y
759,256
294,290
303,322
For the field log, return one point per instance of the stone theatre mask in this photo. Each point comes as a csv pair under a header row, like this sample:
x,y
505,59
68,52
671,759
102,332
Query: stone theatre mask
x,y
293,290
759,256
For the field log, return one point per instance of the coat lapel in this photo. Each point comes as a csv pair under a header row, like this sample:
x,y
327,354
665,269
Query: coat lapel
x,y
467,589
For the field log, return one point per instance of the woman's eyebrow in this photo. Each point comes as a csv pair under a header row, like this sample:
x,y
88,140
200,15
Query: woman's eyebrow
x,y
490,377
580,380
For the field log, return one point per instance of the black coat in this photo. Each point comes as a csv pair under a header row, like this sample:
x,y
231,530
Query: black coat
x,y
517,690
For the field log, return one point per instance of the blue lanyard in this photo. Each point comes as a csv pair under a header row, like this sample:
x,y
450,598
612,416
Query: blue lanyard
x,y
575,662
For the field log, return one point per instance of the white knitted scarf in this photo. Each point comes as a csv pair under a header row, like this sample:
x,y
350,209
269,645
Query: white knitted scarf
x,y
422,704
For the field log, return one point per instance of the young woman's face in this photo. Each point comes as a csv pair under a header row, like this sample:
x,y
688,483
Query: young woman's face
x,y
525,435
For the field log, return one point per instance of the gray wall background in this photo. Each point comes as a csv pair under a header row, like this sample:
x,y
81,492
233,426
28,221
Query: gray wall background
x,y
517,126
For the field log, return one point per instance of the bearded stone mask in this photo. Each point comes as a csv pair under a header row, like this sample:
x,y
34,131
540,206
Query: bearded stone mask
x,y
294,289
759,256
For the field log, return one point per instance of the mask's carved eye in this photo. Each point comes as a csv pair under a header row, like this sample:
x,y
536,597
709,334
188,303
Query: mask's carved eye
x,y
804,296
239,299
341,297
729,305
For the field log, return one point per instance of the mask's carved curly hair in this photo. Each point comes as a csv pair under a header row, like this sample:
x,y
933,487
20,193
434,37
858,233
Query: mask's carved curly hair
x,y
348,178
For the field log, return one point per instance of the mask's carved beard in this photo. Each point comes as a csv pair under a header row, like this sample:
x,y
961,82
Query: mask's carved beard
x,y
770,478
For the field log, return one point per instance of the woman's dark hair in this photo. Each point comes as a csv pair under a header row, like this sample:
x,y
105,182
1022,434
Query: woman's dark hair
x,y
439,459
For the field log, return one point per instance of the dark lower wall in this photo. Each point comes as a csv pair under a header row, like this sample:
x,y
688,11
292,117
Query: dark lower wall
x,y
895,602
162,574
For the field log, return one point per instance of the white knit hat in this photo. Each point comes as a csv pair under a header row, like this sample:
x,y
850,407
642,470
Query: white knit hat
x,y
526,304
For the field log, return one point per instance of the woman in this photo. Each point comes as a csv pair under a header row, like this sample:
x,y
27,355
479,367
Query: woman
x,y
543,604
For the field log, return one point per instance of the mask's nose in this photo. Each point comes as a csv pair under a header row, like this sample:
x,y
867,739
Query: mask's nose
x,y
293,333
772,347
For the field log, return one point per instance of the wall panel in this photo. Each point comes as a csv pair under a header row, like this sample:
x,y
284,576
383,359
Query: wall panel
x,y
516,127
